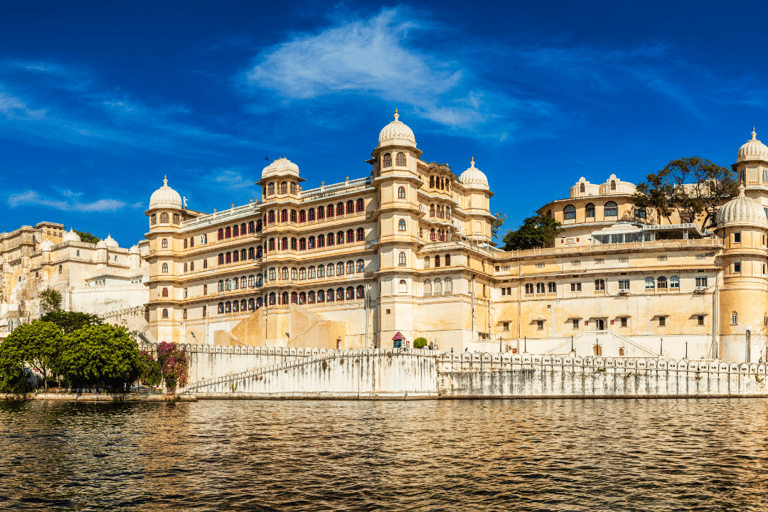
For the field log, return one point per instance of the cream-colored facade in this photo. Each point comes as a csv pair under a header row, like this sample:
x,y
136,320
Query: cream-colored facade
x,y
102,278
407,249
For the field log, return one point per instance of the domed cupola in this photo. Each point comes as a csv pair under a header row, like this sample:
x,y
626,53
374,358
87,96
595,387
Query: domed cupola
x,y
752,150
474,177
742,211
280,167
71,236
165,197
397,133
46,246
111,242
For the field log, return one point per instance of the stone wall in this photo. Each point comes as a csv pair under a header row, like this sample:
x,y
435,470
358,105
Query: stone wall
x,y
371,374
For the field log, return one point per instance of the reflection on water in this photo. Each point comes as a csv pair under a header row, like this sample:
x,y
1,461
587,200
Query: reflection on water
x,y
415,455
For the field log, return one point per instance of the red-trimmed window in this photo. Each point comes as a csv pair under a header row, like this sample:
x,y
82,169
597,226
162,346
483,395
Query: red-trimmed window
x,y
360,234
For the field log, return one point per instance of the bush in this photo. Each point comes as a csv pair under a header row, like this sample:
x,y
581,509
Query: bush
x,y
103,354
420,343
174,365
151,370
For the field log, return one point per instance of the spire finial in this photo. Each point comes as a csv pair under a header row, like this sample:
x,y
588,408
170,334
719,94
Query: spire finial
x,y
754,135
165,180
473,162
397,116
741,189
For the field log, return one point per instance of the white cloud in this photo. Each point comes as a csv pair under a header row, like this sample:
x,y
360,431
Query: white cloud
x,y
231,178
32,198
14,108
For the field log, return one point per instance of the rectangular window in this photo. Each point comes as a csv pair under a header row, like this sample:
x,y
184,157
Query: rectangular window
x,y
624,284
701,282
503,291
505,326
700,319
737,267
662,321
575,323
575,287
540,325
737,238
623,321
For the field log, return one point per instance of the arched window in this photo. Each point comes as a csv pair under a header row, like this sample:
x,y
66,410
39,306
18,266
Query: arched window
x,y
302,216
401,193
311,243
650,284
165,292
235,230
674,282
339,269
221,285
613,184
447,212
227,232
294,274
293,216
272,274
311,273
251,281
153,219
401,259
320,213
589,209
329,211
331,239
403,286
259,252
271,244
259,302
285,273
339,238
360,292
227,307
284,243
320,296
350,267
251,227
251,305
599,285
569,212
401,225
205,263
228,257
251,253
340,209
235,256
428,287
426,261
284,216
165,313
387,160
294,297
311,214
242,228
330,296
272,299
437,261
551,287
360,205
302,244
320,271
431,210
235,306
611,209
164,243
165,268
540,287
350,236
302,273
350,206
339,294
529,289
271,188
438,286
448,288
185,267
271,217
360,234
164,218
285,298
311,297
302,298
582,189
447,260
432,234
661,283
360,265
221,308
284,187
259,280
400,160
350,293
294,244
228,284
331,270
235,283
734,318
293,187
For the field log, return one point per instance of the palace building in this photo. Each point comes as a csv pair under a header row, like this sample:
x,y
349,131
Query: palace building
x,y
407,249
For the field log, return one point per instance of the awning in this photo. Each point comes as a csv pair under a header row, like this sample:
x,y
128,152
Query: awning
x,y
538,318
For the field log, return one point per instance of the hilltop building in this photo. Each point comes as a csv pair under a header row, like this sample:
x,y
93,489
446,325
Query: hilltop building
x,y
407,248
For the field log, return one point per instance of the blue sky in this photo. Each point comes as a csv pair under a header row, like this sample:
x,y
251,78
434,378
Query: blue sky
x,y
99,100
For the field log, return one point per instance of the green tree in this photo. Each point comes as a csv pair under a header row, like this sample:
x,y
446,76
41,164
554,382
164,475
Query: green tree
x,y
40,344
420,343
151,370
691,186
536,231
12,376
496,224
87,237
50,300
70,321
100,354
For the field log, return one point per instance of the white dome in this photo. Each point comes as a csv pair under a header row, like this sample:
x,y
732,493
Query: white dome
x,y
473,176
101,244
740,211
397,133
46,246
71,236
111,242
752,150
134,249
280,167
165,197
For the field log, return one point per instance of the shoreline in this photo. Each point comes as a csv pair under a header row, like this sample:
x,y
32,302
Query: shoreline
x,y
97,397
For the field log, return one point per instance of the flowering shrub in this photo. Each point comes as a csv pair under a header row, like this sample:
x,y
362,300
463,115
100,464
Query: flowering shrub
x,y
151,370
174,365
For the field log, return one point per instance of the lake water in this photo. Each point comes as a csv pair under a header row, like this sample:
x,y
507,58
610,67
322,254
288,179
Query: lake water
x,y
407,455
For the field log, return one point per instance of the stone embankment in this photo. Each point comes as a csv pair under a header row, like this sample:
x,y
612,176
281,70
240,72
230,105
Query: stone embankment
x,y
407,374
100,397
